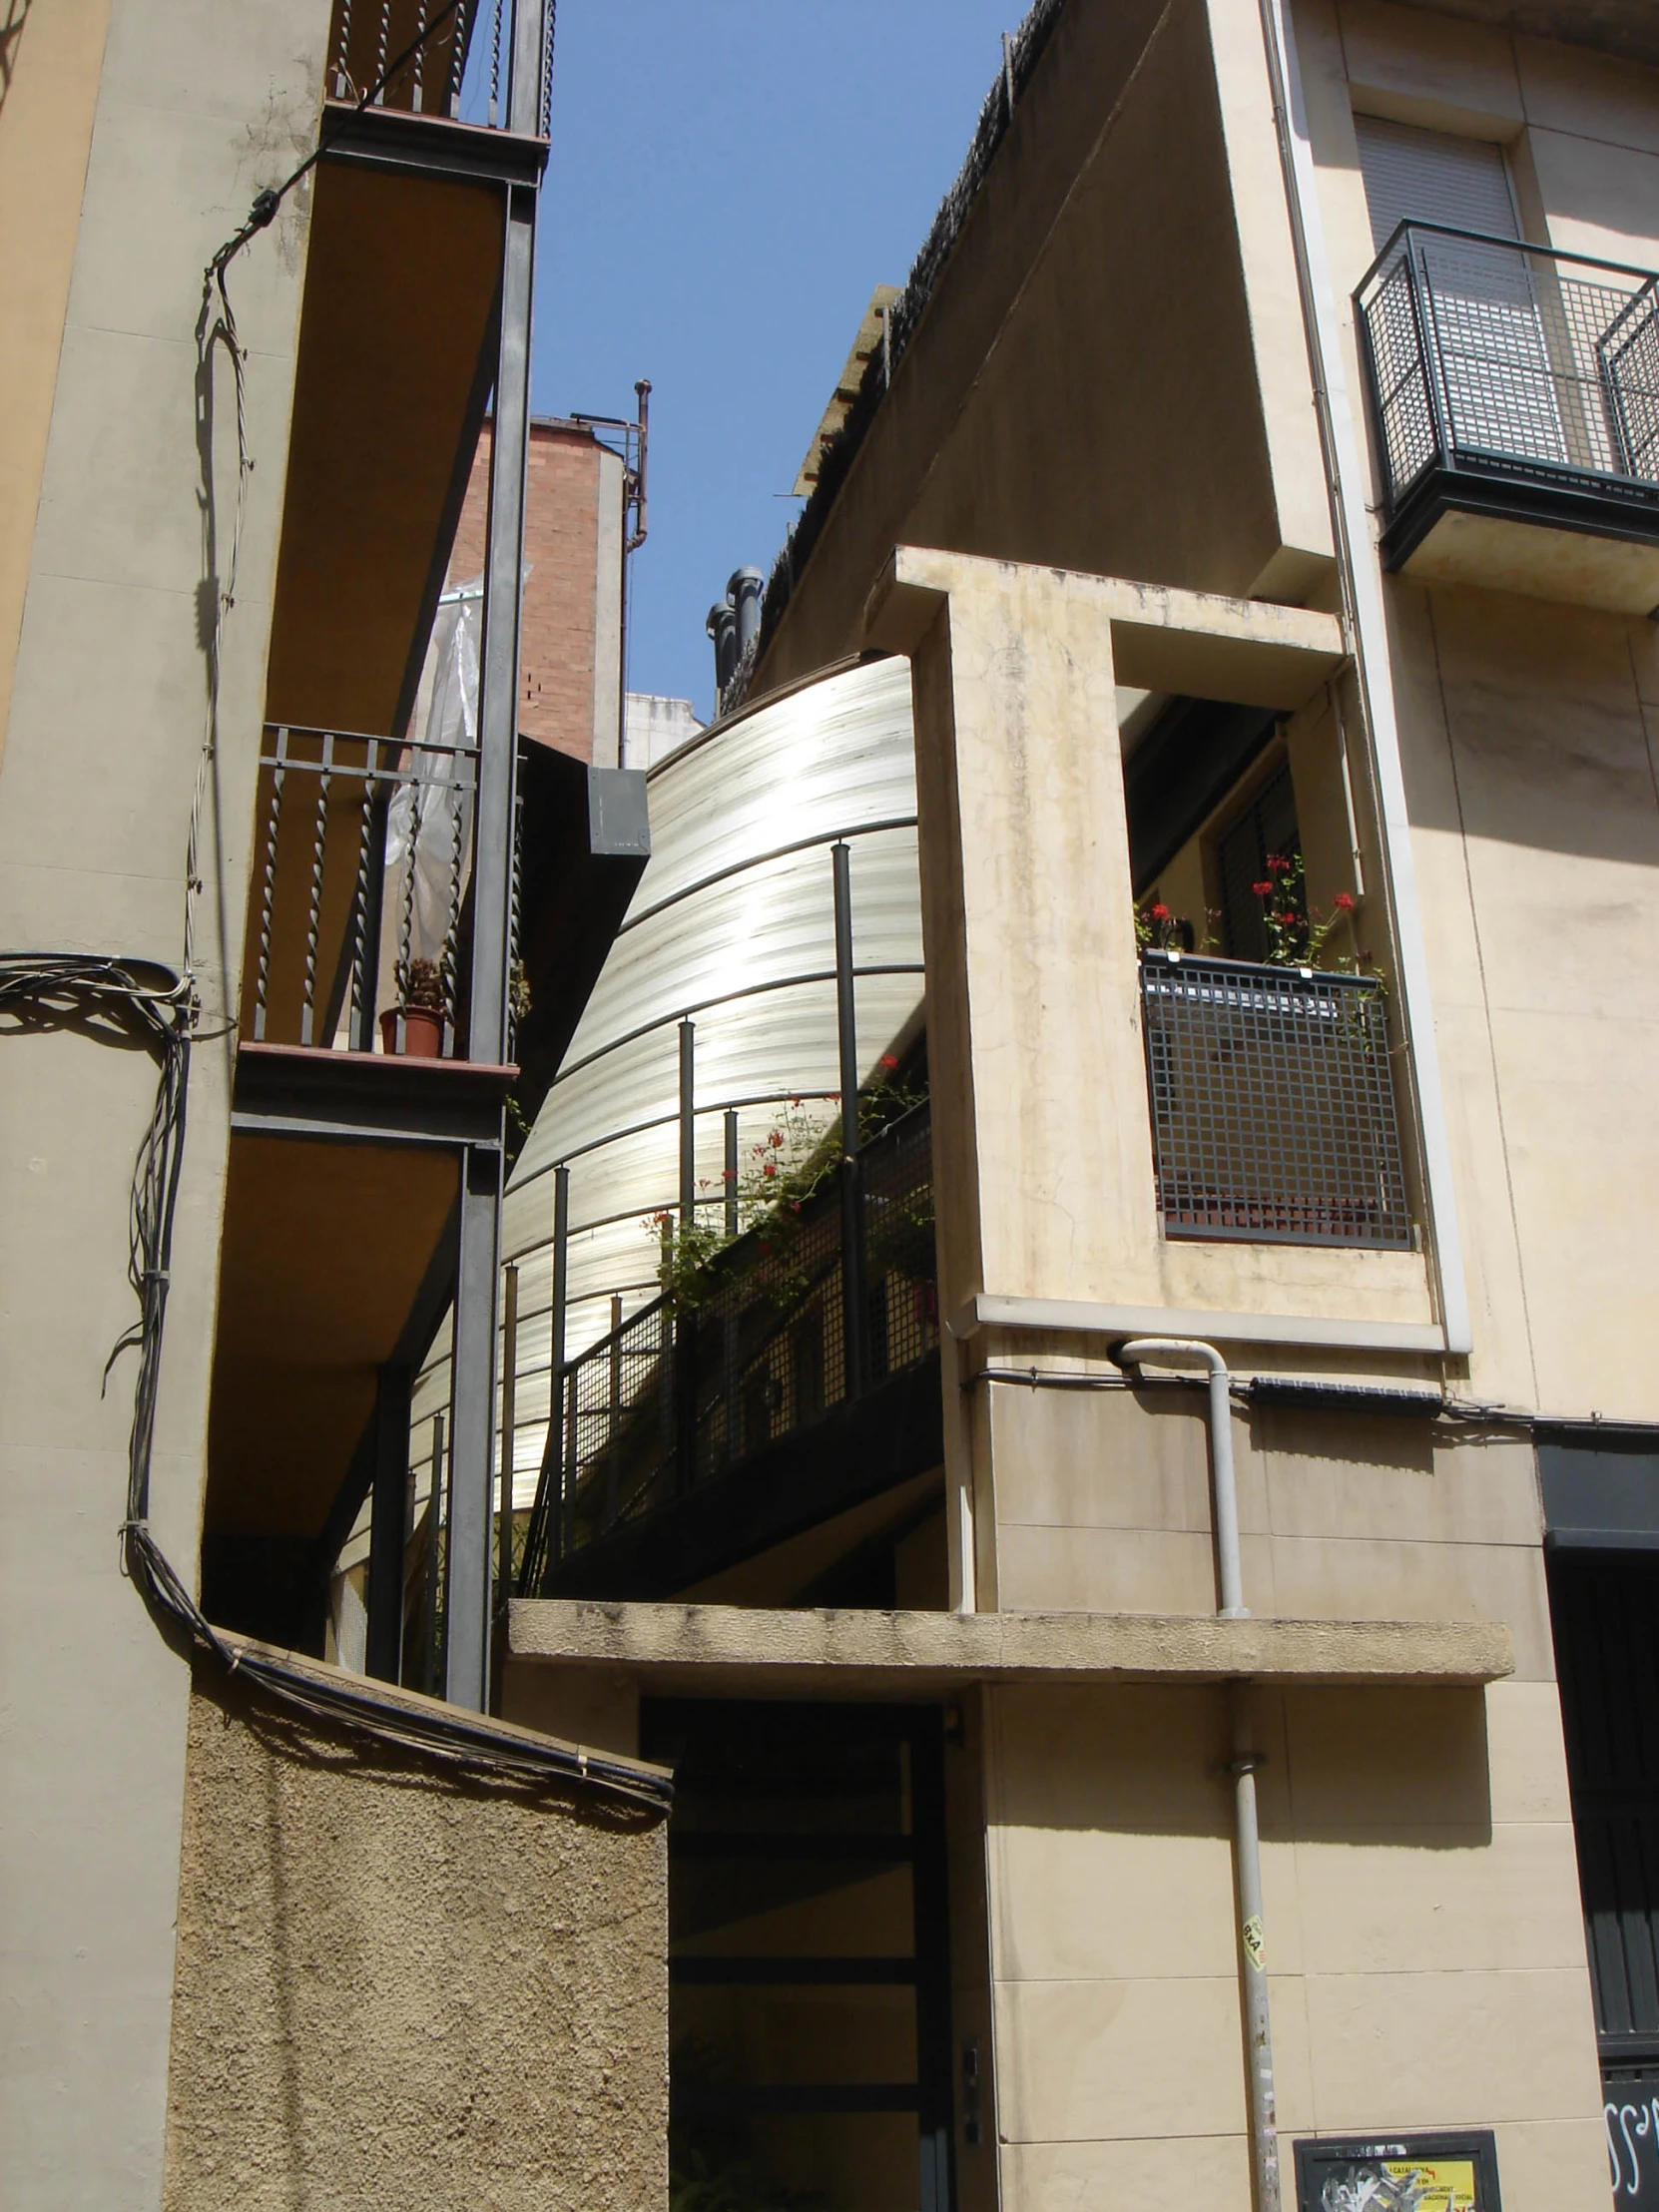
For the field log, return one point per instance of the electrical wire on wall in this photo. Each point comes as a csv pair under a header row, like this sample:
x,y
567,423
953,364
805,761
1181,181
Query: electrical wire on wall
x,y
135,1001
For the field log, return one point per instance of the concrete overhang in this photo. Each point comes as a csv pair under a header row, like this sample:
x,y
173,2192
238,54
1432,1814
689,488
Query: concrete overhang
x,y
1200,644
1626,27
732,1650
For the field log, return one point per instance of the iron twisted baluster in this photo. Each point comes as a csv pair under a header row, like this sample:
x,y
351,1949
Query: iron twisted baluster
x,y
342,53
314,920
360,919
457,54
451,981
268,900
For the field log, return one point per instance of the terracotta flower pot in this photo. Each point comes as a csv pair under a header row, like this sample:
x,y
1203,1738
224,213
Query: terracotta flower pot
x,y
422,1031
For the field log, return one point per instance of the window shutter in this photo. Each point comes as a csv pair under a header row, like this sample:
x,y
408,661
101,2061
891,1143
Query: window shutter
x,y
1432,177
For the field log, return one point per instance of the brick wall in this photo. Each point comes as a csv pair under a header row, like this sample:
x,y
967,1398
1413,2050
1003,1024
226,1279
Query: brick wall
x,y
561,533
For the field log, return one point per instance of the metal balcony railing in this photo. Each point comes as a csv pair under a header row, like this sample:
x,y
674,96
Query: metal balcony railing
x,y
457,56
1505,363
362,859
1272,1105
694,1385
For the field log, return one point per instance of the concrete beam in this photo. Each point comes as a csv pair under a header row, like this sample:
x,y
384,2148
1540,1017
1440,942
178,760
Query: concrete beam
x,y
751,1651
1200,644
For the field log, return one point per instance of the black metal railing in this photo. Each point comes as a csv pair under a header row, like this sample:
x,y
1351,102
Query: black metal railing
x,y
1502,361
1272,1105
424,54
703,1378
362,859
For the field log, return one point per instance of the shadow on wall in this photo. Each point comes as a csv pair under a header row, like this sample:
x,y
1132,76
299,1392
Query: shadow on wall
x,y
1529,726
13,15
1404,1767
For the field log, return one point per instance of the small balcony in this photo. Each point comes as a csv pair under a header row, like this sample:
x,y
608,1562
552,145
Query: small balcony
x,y
362,863
1273,1104
812,1338
1514,397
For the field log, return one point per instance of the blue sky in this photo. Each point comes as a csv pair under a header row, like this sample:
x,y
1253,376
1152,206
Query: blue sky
x,y
727,186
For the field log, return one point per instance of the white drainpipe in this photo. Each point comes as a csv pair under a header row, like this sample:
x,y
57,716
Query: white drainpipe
x,y
1179,1352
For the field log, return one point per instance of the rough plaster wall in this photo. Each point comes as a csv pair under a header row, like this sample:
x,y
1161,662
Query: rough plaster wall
x,y
394,1989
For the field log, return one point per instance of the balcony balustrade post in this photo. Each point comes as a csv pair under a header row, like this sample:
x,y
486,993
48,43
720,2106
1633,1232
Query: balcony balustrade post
x,y
529,53
429,1606
472,1429
685,1325
612,1422
854,1316
556,1454
1429,355
729,1316
388,1523
509,1425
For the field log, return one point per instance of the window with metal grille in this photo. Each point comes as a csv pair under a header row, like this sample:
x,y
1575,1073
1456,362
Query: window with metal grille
x,y
1272,1106
1266,826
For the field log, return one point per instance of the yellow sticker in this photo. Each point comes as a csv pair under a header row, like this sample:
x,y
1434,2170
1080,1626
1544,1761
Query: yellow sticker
x,y
1443,2184
1253,1940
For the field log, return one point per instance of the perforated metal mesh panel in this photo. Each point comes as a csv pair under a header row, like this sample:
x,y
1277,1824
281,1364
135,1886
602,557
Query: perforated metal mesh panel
x,y
670,1399
1510,359
1272,1109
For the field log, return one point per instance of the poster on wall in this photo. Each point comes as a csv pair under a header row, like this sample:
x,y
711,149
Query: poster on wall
x,y
1631,2113
1399,2174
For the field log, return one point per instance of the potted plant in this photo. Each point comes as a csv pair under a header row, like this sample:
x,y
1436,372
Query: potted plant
x,y
420,1009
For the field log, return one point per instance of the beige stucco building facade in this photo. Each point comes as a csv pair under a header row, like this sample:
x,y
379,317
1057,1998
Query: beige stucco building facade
x,y
1133,492
1062,1248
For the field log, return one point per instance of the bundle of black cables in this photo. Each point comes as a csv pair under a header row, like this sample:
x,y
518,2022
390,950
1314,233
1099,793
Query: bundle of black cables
x,y
139,1003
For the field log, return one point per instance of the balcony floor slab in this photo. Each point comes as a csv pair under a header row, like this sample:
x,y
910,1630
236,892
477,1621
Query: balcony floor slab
x,y
732,1650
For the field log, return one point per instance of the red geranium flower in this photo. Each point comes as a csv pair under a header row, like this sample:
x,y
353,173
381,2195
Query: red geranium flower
x,y
1160,913
1343,903
1278,864
1262,890
769,1167
888,1060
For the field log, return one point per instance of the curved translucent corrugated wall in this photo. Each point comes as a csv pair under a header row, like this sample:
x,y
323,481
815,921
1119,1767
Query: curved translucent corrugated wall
x,y
732,927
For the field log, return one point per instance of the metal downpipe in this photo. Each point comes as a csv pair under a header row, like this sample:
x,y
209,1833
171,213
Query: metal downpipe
x,y
1224,1495
1243,1760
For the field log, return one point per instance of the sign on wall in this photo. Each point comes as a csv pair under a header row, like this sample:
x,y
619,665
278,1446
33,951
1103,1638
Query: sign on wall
x,y
1631,2111
1402,2173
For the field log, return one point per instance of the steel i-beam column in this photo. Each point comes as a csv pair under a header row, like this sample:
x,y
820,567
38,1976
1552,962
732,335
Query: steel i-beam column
x,y
473,1383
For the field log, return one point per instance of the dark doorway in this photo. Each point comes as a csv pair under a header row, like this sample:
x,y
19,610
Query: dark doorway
x,y
809,1965
1604,1608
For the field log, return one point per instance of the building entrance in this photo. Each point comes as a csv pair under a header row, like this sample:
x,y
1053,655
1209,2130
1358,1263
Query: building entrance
x,y
1605,1612
808,1975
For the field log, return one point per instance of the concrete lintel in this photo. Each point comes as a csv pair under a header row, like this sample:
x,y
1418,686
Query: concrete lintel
x,y
1163,640
1083,1318
753,1651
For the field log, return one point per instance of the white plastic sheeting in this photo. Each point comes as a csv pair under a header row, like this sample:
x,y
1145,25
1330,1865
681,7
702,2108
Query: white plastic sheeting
x,y
430,813
733,924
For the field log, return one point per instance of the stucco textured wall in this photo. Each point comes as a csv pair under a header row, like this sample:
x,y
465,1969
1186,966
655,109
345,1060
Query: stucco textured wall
x,y
396,1987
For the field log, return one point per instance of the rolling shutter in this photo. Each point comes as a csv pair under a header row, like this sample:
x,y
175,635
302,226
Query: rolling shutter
x,y
1432,177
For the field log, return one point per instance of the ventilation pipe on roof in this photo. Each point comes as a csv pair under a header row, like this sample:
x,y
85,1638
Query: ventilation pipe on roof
x,y
722,626
744,594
